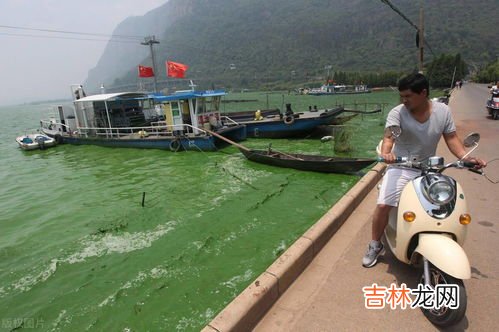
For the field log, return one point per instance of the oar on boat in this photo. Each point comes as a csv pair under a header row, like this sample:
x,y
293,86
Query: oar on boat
x,y
242,147
223,138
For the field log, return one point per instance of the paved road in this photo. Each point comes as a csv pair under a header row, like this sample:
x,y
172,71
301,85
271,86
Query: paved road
x,y
328,295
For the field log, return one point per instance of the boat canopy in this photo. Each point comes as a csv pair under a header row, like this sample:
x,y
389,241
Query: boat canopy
x,y
189,95
113,97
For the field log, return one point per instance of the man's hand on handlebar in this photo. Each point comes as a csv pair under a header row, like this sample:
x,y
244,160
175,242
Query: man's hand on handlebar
x,y
389,158
479,163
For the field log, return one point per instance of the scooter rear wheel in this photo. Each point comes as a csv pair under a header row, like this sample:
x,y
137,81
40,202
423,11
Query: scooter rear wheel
x,y
445,316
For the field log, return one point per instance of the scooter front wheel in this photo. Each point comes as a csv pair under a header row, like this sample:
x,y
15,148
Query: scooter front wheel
x,y
445,316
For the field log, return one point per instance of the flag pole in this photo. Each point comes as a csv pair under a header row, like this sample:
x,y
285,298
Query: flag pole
x,y
150,40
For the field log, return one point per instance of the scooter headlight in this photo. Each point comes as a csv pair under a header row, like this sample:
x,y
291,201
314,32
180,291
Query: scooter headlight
x,y
438,189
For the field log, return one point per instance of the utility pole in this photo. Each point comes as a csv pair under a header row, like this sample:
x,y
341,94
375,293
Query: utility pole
x,y
453,76
421,40
150,40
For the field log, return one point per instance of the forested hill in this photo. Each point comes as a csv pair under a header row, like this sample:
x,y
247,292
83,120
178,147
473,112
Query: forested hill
x,y
284,40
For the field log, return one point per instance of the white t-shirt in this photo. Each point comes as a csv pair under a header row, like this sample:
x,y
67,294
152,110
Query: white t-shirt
x,y
419,140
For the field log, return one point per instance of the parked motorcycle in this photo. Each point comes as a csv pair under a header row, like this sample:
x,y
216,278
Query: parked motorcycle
x,y
429,227
493,105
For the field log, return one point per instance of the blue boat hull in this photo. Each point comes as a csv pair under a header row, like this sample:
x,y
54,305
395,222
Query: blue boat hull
x,y
300,127
179,143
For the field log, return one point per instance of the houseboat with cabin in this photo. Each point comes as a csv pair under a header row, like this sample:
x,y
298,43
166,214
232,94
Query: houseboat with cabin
x,y
177,122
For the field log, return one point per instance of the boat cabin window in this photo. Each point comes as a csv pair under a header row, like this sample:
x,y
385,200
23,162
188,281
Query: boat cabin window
x,y
175,109
119,113
146,103
208,105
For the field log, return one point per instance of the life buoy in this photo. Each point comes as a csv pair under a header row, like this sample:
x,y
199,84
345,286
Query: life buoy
x,y
58,139
175,145
289,119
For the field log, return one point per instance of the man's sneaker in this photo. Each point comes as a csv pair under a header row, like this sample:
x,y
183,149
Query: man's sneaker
x,y
371,257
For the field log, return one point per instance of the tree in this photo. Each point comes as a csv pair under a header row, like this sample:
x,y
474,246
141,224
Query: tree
x,y
441,70
489,74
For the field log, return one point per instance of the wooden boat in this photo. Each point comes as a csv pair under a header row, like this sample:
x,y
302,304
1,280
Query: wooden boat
x,y
137,120
307,162
301,162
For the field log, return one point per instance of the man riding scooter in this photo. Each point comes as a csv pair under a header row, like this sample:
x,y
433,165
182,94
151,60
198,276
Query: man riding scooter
x,y
423,123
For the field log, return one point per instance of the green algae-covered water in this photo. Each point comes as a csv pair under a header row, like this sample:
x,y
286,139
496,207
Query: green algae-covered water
x,y
78,252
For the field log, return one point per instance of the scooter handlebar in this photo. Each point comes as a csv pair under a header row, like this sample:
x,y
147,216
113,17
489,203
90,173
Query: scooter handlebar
x,y
471,167
397,159
462,164
469,164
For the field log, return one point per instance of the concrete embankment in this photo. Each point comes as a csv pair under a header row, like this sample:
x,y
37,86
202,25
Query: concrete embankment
x,y
244,312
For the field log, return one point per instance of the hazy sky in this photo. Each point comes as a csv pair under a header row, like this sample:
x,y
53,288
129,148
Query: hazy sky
x,y
43,68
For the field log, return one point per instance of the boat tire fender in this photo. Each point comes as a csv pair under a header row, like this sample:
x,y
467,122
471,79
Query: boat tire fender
x,y
289,119
175,145
58,138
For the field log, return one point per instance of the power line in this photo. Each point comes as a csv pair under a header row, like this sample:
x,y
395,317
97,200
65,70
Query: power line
x,y
398,11
429,47
395,9
71,32
112,40
68,38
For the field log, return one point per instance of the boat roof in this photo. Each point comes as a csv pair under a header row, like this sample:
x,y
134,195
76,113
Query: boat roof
x,y
190,95
113,96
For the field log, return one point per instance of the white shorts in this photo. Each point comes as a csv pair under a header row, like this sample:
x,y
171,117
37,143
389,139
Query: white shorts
x,y
393,183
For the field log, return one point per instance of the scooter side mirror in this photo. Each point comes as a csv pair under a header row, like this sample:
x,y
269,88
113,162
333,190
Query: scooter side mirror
x,y
471,140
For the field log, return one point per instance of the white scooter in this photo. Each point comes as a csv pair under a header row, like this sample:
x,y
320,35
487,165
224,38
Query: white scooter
x,y
429,227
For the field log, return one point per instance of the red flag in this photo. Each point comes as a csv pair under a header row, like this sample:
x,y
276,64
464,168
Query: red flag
x,y
145,71
175,69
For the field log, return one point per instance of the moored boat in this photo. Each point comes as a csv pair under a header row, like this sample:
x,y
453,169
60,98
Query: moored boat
x,y
333,89
35,141
138,120
273,124
307,162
